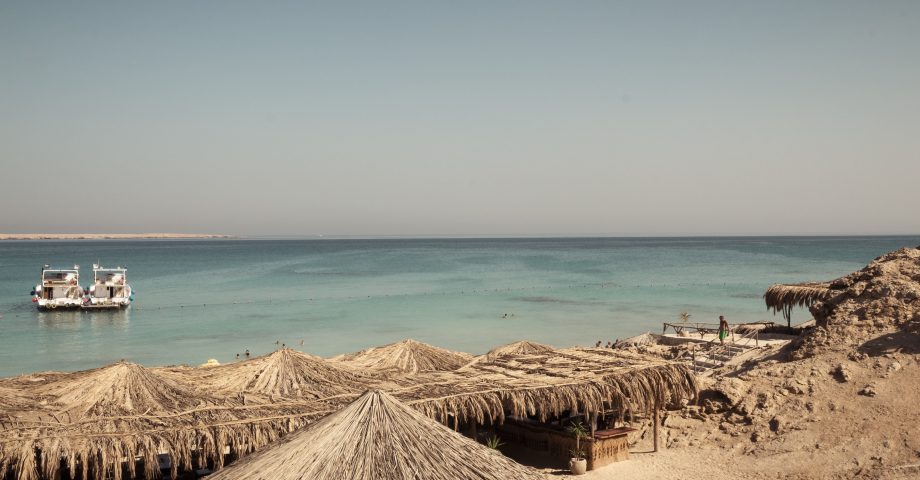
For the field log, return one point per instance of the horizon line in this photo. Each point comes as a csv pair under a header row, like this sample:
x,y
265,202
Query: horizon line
x,y
448,236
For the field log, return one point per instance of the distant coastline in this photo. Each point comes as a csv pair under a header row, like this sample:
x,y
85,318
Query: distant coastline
x,y
107,236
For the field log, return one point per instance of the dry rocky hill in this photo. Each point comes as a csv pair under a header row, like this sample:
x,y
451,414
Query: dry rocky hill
x,y
839,403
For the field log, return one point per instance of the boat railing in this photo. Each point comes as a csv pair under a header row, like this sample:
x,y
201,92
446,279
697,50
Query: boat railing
x,y
57,282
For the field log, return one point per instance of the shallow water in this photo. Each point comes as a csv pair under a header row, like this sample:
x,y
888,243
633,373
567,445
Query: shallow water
x,y
205,299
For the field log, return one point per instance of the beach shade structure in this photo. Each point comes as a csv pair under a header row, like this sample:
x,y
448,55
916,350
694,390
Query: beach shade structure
x,y
115,422
885,292
88,420
407,356
284,373
784,297
119,389
376,438
522,347
547,384
641,340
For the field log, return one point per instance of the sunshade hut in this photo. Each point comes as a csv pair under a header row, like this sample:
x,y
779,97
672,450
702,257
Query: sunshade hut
x,y
99,421
522,347
547,384
540,391
376,438
88,420
784,297
119,389
641,340
285,373
407,356
105,423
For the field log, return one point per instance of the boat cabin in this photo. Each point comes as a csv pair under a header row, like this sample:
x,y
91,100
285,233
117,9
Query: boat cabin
x,y
109,288
59,287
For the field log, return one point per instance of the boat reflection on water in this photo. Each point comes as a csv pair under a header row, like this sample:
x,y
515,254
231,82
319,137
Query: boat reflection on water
x,y
80,319
108,318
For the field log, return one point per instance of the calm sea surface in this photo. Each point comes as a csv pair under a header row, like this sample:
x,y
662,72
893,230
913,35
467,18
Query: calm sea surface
x,y
214,298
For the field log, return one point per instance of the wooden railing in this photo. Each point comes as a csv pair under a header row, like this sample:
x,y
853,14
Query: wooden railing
x,y
713,353
704,328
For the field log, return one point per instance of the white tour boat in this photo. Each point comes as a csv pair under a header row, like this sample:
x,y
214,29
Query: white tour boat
x,y
110,288
59,288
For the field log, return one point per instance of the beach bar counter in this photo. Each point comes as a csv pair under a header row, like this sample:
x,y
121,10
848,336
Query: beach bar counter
x,y
603,448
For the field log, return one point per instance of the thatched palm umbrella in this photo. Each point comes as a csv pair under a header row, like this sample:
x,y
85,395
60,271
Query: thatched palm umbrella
x,y
122,388
377,438
90,420
522,347
407,356
283,373
784,297
97,422
641,340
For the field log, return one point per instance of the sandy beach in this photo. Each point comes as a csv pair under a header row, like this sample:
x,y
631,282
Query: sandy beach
x,y
833,399
106,236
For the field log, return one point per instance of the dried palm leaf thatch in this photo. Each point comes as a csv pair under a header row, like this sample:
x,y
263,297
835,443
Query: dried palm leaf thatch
x,y
576,380
407,356
97,422
122,388
641,340
283,373
377,438
115,414
44,447
522,347
11,399
783,298
32,379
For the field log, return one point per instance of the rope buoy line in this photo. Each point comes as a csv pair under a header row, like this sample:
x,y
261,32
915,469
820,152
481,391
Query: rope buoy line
x,y
272,300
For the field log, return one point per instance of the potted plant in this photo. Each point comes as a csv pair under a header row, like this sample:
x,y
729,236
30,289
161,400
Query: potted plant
x,y
684,318
494,442
578,465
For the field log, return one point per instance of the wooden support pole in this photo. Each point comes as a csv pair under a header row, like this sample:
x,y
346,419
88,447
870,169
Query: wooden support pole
x,y
655,422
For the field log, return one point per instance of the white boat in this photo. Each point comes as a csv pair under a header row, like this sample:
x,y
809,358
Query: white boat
x,y
59,288
110,288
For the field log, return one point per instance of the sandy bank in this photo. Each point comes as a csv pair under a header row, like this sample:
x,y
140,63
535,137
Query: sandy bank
x,y
105,236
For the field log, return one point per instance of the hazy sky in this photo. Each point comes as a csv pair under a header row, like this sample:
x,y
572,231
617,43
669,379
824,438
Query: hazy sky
x,y
403,118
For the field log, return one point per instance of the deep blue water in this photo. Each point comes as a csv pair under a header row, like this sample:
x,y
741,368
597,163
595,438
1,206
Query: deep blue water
x,y
203,299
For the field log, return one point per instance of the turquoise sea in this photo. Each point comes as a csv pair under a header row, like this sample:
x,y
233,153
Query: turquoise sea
x,y
201,299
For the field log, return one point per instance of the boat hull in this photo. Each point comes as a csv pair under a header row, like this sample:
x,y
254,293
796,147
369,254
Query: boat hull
x,y
46,305
123,300
110,306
